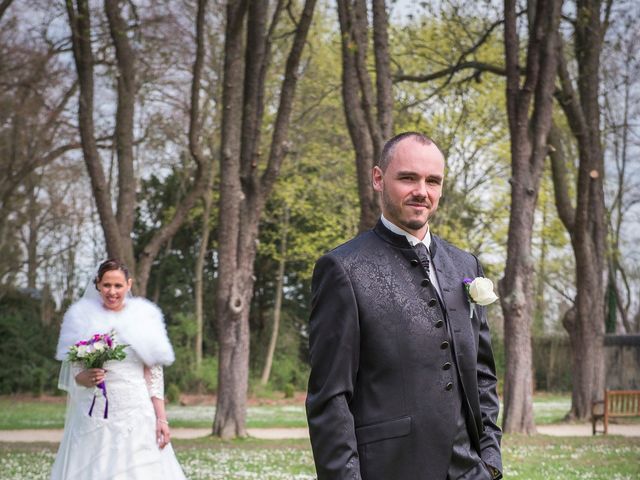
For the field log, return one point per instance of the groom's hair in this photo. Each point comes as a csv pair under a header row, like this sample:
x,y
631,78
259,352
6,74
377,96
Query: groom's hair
x,y
389,147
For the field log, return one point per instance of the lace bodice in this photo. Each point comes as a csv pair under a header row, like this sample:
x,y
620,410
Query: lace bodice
x,y
127,387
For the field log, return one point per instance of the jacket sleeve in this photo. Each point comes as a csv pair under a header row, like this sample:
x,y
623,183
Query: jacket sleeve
x,y
334,345
491,434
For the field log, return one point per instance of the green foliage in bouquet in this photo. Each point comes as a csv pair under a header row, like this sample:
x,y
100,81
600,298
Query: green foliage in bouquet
x,y
100,348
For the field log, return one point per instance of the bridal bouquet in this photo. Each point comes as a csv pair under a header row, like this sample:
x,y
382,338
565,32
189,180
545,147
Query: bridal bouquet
x,y
100,348
93,353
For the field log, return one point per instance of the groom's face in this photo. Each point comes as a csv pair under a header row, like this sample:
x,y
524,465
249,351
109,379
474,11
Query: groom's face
x,y
411,185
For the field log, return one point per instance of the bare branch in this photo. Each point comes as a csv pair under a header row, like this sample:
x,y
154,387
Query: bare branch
x,y
384,84
3,7
566,210
449,71
281,127
195,125
568,98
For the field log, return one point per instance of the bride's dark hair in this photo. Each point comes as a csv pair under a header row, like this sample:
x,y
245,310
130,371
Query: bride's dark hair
x,y
109,265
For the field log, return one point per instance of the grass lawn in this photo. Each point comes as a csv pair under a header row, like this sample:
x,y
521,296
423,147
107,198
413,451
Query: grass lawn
x,y
33,413
526,458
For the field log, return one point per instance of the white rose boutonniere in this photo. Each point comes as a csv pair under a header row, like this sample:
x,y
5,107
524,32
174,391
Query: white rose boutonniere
x,y
480,291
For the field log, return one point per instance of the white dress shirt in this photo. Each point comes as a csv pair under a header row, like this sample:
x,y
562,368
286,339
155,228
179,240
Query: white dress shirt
x,y
413,241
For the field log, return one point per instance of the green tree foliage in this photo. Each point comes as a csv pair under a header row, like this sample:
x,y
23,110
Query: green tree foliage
x,y
317,186
464,112
171,281
28,343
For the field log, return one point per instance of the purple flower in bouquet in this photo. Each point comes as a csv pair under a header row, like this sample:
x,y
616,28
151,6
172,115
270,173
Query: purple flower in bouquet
x,y
100,348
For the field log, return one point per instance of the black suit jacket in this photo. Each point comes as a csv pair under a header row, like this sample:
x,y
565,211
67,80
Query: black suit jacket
x,y
377,402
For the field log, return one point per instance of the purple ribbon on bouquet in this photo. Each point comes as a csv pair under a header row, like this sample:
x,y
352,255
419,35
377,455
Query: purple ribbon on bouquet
x,y
102,386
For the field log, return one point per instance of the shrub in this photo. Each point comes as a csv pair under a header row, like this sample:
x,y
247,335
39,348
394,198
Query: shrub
x,y
289,390
207,374
28,345
173,393
289,370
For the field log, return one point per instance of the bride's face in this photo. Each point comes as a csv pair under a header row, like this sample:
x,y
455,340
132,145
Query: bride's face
x,y
113,288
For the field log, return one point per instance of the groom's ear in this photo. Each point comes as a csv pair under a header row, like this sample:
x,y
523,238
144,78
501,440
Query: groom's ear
x,y
377,179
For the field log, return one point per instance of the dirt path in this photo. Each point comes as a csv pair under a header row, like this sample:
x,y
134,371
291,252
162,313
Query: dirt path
x,y
584,430
557,430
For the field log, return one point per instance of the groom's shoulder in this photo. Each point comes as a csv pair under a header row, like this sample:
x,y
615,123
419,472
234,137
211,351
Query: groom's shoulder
x,y
356,246
452,250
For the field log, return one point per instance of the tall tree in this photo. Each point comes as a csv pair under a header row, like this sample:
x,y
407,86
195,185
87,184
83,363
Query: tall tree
x,y
620,71
244,187
277,307
528,130
198,154
35,93
586,221
118,226
369,113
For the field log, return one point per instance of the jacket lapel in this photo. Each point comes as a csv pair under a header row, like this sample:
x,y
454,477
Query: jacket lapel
x,y
450,279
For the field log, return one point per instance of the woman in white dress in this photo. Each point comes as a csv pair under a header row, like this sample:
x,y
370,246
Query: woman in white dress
x,y
128,437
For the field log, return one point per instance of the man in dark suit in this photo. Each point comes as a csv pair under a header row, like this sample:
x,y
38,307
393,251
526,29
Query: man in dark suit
x,y
403,383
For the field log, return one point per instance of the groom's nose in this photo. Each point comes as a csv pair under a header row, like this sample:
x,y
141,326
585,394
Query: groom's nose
x,y
420,192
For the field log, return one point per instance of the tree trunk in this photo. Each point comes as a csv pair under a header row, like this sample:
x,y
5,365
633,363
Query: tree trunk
x,y
80,23
528,150
70,270
540,306
126,63
233,327
621,130
243,192
586,222
195,127
32,234
199,274
367,130
277,308
117,227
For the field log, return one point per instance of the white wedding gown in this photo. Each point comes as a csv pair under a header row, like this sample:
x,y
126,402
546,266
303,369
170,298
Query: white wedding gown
x,y
122,446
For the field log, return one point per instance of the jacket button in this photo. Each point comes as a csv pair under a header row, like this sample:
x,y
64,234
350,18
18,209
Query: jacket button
x,y
414,262
439,324
444,345
425,282
432,302
449,386
446,366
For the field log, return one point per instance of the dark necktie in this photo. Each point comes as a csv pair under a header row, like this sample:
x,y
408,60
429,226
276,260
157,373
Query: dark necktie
x,y
423,255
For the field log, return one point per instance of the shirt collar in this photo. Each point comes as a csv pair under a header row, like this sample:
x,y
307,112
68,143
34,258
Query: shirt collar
x,y
413,240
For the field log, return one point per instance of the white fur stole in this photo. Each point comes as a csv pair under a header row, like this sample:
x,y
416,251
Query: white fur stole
x,y
139,324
